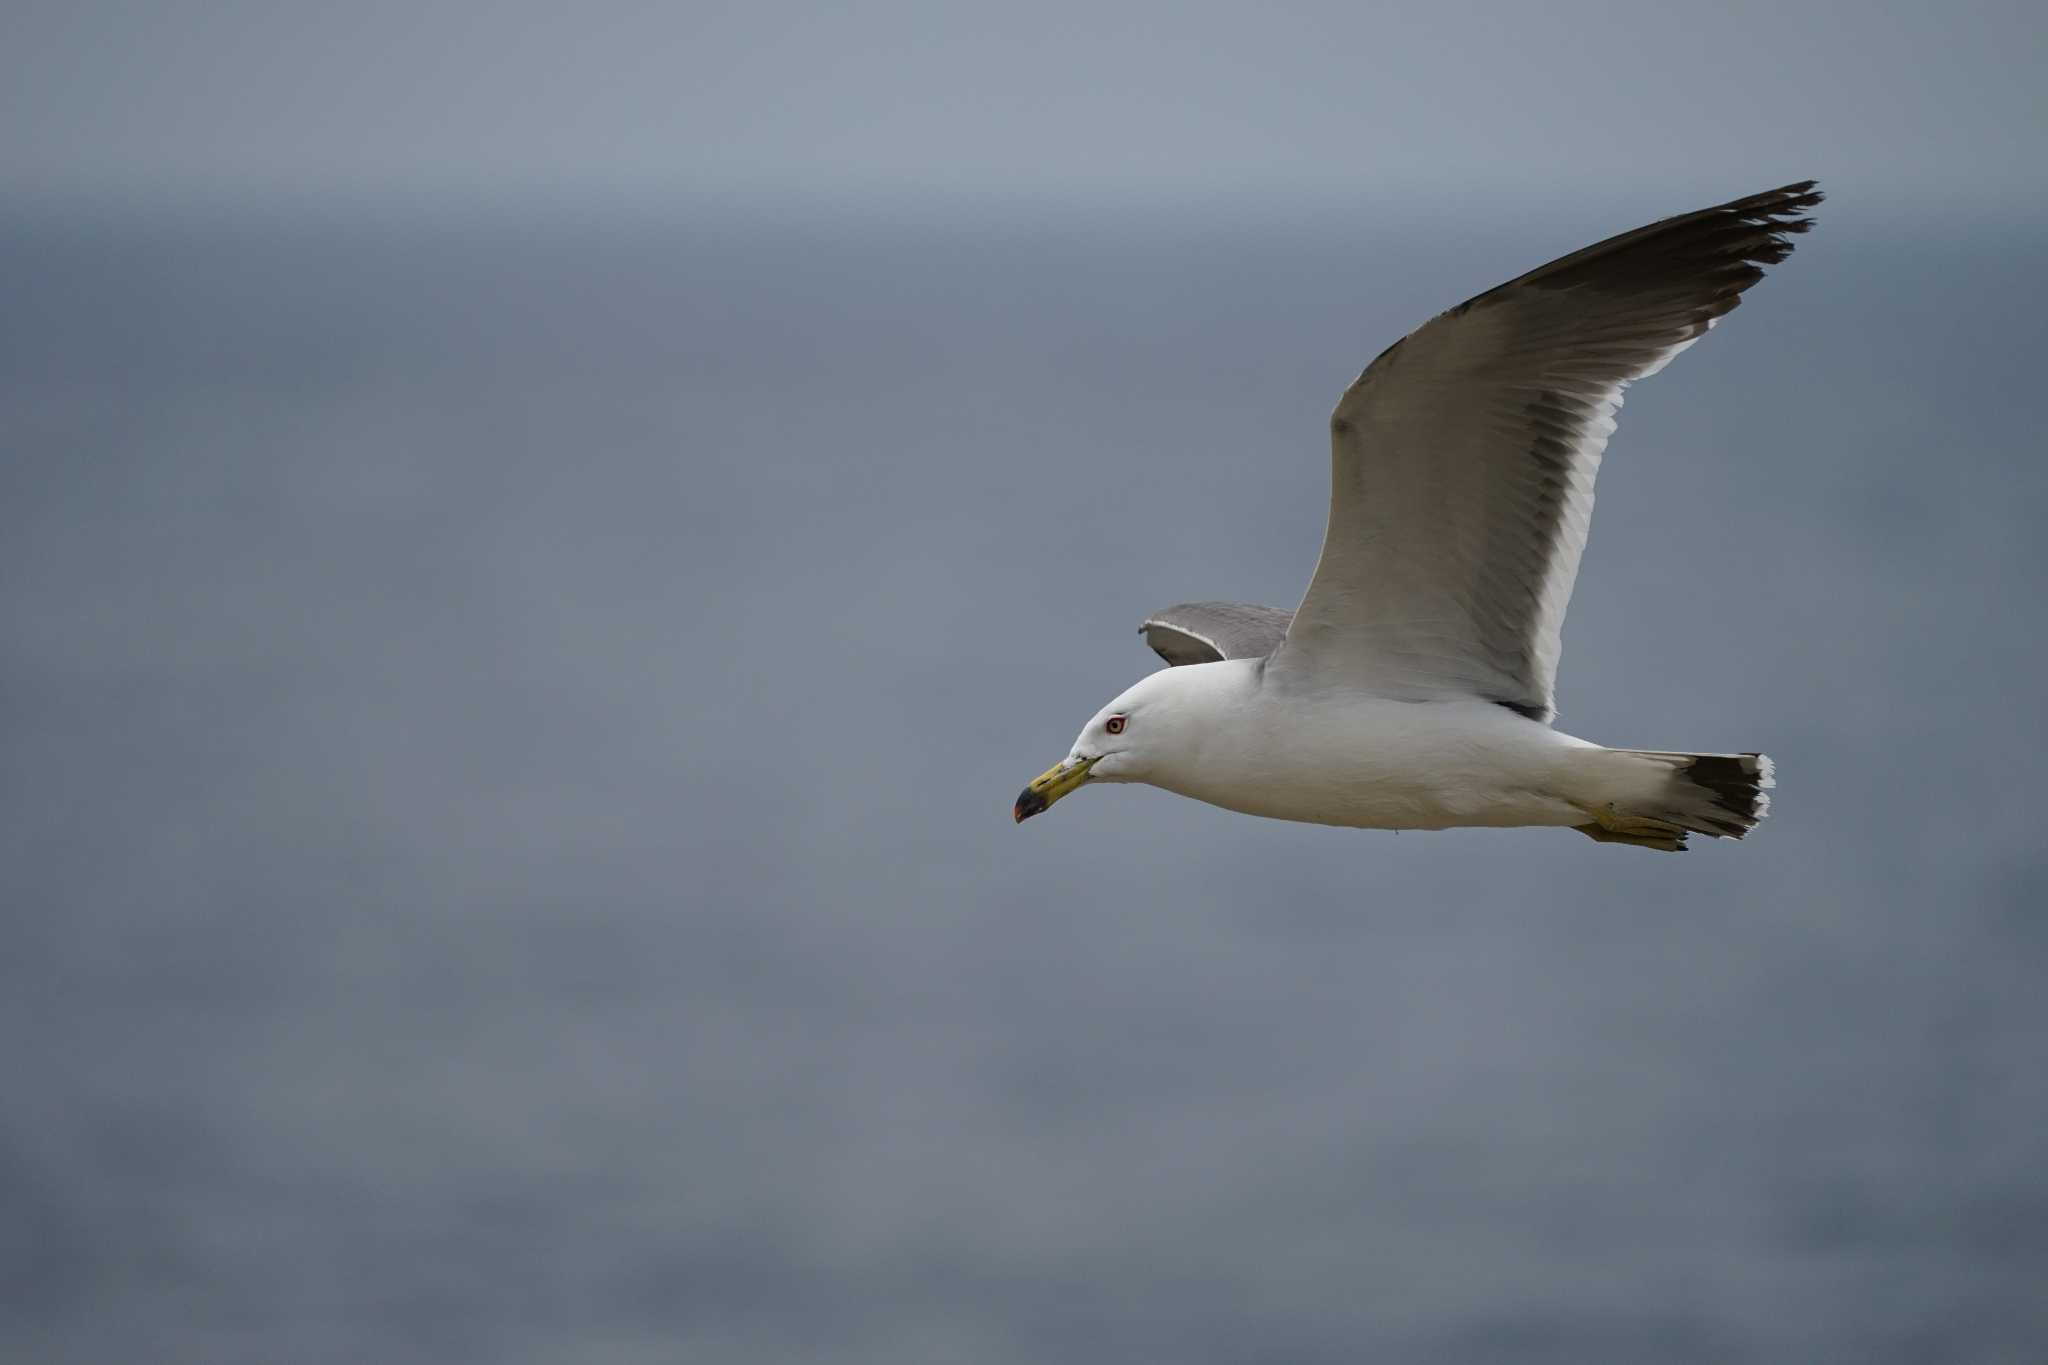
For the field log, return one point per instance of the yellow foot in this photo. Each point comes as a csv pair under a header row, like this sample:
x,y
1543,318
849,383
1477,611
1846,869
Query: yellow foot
x,y
1610,826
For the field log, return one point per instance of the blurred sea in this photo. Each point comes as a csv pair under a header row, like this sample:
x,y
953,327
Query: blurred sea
x,y
509,726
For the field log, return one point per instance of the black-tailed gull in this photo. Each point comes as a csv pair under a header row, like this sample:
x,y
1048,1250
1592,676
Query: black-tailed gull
x,y
1412,688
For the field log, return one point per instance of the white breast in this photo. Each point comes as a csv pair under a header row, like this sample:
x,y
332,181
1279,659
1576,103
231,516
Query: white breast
x,y
1346,759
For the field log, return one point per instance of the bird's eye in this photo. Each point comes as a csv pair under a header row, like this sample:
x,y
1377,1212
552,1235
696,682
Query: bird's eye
x,y
1115,725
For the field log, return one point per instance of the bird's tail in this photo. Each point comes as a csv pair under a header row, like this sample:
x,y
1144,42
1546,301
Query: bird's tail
x,y
1671,795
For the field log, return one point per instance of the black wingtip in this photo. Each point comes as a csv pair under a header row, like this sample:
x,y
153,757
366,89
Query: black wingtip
x,y
1782,210
1720,251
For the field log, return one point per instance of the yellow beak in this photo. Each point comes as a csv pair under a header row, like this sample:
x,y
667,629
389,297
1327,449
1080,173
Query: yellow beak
x,y
1049,786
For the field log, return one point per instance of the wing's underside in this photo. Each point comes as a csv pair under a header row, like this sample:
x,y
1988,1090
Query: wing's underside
x,y
1463,459
1206,632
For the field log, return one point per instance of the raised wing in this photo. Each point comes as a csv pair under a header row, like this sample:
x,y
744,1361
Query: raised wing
x,y
1463,458
1206,632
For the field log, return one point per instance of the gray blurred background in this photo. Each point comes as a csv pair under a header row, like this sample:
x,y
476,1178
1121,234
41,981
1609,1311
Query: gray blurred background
x,y
537,545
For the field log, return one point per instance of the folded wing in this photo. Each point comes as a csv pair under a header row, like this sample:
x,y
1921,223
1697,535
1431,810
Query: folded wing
x,y
1463,458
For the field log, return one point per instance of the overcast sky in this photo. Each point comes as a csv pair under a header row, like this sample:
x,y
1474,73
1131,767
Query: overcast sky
x,y
253,97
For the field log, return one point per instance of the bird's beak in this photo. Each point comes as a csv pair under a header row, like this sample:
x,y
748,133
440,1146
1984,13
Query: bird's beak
x,y
1050,785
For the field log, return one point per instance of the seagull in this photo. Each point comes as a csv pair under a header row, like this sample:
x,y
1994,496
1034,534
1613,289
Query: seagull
x,y
1414,687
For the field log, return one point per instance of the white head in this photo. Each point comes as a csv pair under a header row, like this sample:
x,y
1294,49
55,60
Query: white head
x,y
1150,733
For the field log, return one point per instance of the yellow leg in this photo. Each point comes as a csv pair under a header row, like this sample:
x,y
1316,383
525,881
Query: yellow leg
x,y
1610,826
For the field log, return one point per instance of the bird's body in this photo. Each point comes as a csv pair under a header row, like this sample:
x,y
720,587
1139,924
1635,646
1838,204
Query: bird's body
x,y
1413,686
1239,734
1334,758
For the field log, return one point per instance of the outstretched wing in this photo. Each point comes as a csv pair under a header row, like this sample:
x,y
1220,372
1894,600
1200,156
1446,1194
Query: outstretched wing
x,y
1463,458
1205,632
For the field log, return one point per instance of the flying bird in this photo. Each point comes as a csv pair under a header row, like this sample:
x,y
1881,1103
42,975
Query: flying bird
x,y
1413,688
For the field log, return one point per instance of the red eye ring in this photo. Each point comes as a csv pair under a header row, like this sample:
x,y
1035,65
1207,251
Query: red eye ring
x,y
1115,725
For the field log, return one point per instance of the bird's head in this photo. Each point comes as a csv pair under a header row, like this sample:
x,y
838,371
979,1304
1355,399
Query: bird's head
x,y
1152,729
